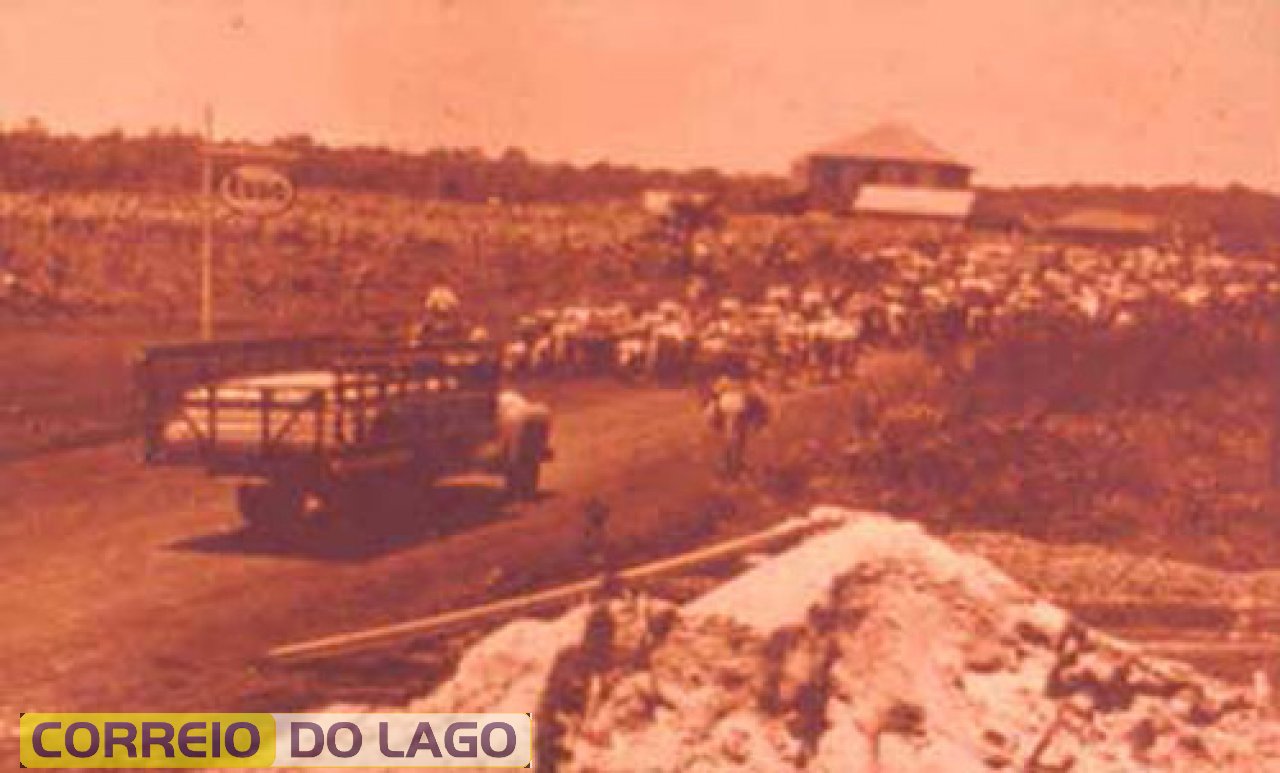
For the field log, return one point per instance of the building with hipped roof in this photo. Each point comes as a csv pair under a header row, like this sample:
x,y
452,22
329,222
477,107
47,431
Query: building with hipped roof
x,y
889,171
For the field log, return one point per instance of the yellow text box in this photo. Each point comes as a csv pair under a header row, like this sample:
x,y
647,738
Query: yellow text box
x,y
139,740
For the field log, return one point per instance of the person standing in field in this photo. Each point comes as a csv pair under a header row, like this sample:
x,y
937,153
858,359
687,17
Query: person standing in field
x,y
441,318
737,409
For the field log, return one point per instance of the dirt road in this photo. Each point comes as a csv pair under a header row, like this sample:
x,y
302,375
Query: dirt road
x,y
128,588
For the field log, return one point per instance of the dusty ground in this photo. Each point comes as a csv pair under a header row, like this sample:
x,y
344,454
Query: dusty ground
x,y
135,588
131,588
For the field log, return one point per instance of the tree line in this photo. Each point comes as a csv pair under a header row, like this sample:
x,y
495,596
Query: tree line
x,y
34,159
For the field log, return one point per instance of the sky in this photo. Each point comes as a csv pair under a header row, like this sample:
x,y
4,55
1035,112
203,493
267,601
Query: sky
x,y
1028,91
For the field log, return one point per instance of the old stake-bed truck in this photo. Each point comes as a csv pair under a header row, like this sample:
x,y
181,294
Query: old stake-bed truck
x,y
329,421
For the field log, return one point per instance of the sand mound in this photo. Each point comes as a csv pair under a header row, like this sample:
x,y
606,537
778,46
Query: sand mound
x,y
869,647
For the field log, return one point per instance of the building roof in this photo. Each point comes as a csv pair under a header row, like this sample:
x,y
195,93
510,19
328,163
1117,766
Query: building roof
x,y
889,141
907,201
1112,221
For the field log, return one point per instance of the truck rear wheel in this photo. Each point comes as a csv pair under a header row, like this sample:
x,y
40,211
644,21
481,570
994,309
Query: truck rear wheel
x,y
270,507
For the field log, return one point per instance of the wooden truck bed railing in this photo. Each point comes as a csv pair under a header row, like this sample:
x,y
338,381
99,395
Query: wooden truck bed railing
x,y
245,404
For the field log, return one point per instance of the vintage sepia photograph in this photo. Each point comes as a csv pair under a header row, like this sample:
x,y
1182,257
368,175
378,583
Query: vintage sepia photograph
x,y
640,385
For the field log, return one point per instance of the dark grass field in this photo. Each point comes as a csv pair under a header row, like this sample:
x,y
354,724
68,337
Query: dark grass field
x,y
60,387
68,382
1155,444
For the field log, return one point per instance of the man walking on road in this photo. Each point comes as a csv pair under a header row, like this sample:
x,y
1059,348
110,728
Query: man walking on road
x,y
737,409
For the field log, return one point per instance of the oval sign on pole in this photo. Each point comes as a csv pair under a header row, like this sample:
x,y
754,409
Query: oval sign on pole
x,y
255,189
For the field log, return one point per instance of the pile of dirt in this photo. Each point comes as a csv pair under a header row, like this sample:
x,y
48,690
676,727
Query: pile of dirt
x,y
870,647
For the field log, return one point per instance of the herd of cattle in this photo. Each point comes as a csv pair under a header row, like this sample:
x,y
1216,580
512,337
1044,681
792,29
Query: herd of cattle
x,y
815,332
767,299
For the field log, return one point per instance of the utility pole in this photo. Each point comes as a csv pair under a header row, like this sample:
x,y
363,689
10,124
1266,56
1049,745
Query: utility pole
x,y
206,243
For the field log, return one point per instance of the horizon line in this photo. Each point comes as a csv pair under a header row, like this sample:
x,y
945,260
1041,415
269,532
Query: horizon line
x,y
492,154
